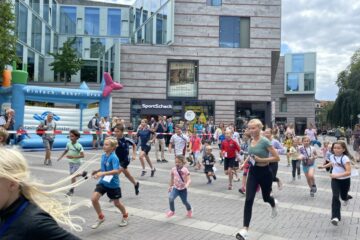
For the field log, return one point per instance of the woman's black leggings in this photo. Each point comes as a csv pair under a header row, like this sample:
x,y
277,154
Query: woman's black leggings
x,y
274,168
295,166
257,176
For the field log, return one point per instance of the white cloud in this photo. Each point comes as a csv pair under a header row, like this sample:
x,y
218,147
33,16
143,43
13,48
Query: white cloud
x,y
330,28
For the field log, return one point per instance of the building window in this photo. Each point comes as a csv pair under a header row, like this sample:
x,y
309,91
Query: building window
x,y
20,54
97,47
298,63
56,43
53,13
89,71
292,84
31,65
214,2
41,69
35,4
36,33
46,10
182,78
92,19
309,82
283,105
21,22
68,20
47,40
114,22
234,32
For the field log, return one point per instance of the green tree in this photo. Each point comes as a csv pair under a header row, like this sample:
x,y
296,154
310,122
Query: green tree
x,y
66,60
347,104
7,34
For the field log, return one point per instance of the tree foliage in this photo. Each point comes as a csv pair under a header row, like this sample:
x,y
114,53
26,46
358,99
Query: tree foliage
x,y
7,34
347,104
66,60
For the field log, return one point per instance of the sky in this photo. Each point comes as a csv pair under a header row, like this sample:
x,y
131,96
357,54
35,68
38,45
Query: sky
x,y
328,27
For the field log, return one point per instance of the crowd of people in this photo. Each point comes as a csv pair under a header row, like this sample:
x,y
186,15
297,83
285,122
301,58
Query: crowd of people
x,y
253,152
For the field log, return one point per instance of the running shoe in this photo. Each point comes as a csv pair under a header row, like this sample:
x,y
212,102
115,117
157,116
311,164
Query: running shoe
x,y
169,214
97,223
164,161
153,172
242,234
237,180
124,222
274,211
230,187
84,174
335,221
214,177
137,185
158,160
315,188
312,194
349,197
189,213
209,182
143,173
70,192
242,191
346,202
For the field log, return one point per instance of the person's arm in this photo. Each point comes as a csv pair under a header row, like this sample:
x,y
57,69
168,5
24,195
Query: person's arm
x,y
81,155
134,151
187,180
171,143
63,154
329,164
344,174
274,156
171,184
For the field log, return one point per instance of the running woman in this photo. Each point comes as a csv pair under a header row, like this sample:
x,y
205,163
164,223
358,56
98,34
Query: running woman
x,y
109,182
144,133
122,152
340,178
179,183
280,150
259,174
229,148
308,156
74,153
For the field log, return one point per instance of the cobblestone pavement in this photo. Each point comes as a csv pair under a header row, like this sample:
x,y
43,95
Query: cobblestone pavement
x,y
218,212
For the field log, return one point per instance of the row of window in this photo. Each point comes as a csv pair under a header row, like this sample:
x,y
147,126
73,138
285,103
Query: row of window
x,y
69,21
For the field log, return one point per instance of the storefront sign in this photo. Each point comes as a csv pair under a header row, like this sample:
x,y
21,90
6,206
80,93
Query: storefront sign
x,y
190,115
156,107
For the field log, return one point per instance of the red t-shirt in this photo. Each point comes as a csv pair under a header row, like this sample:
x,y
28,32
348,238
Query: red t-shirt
x,y
195,144
230,147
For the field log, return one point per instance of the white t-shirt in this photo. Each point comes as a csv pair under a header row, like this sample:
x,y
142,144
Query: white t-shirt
x,y
338,164
179,143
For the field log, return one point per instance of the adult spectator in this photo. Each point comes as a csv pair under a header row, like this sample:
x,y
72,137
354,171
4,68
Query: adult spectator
x,y
7,122
356,141
198,128
48,138
337,133
281,133
178,141
348,134
160,128
290,130
95,126
170,130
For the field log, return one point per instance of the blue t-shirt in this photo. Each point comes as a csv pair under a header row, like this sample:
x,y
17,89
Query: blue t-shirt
x,y
222,138
171,127
198,127
109,163
144,135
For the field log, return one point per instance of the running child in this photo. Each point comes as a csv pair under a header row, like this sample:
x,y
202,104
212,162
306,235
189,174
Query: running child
x,y
245,165
109,182
208,162
326,152
195,147
294,157
179,183
74,152
308,156
288,142
229,148
340,178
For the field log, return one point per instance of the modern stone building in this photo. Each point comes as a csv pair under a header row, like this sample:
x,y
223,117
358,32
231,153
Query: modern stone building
x,y
218,64
293,90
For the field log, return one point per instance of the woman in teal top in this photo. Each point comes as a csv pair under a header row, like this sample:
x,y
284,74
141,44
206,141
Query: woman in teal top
x,y
259,173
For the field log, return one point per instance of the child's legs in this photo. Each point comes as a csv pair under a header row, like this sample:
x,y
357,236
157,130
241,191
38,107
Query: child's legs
x,y
344,188
142,157
172,196
183,197
95,201
120,206
148,160
335,205
129,176
293,163
298,167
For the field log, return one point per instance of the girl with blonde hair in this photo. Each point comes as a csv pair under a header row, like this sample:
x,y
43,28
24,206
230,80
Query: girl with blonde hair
x,y
27,211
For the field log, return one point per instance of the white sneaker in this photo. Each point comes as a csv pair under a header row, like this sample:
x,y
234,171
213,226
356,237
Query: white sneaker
x,y
346,203
124,222
335,221
274,211
242,234
97,223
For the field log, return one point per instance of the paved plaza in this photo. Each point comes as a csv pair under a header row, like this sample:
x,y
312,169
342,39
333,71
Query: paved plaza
x,y
218,212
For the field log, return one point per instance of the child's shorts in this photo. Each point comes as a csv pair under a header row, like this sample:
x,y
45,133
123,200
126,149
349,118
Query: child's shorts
x,y
246,169
73,167
307,168
208,168
112,193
